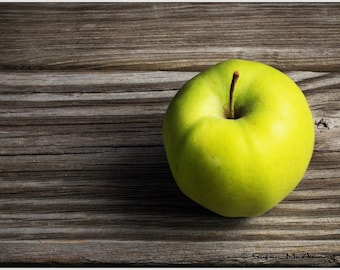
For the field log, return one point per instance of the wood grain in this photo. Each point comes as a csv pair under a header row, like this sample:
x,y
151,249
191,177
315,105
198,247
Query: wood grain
x,y
84,178
168,36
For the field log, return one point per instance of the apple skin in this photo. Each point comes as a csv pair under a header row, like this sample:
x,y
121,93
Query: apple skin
x,y
238,167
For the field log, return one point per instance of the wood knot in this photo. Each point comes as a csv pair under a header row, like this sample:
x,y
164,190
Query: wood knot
x,y
324,123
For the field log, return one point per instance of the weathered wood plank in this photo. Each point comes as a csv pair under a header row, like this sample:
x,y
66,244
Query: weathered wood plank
x,y
168,36
284,253
88,181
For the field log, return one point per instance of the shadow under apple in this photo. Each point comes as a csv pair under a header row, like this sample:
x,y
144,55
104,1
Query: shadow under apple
x,y
144,189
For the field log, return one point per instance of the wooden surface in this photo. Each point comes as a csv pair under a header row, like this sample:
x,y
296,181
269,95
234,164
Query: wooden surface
x,y
83,174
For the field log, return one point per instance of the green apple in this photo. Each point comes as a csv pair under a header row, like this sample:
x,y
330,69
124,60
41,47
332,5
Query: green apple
x,y
238,137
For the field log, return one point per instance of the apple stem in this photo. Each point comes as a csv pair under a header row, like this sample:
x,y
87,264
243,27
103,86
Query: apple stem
x,y
231,97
